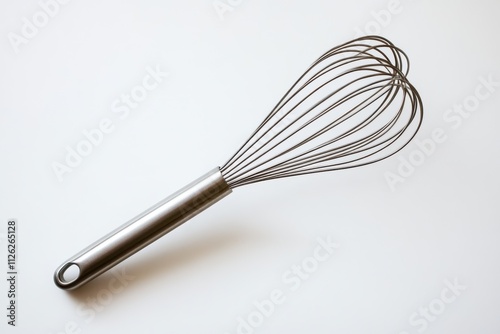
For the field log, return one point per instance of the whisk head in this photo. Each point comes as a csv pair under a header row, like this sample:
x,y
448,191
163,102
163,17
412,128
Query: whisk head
x,y
354,106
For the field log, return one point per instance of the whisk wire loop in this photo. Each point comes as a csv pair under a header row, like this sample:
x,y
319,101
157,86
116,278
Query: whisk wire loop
x,y
352,107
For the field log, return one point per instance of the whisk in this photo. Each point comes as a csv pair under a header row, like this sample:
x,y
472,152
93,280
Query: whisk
x,y
352,107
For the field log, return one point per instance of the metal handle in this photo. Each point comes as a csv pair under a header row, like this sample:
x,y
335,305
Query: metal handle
x,y
143,229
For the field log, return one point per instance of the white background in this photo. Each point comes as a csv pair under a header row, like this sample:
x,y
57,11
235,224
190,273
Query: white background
x,y
398,246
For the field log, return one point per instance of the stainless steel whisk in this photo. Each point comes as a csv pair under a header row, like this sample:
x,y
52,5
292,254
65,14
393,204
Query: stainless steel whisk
x,y
354,106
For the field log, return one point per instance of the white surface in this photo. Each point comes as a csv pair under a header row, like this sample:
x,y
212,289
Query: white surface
x,y
397,248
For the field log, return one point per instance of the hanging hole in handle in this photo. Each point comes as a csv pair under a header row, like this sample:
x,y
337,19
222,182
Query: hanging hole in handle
x,y
70,273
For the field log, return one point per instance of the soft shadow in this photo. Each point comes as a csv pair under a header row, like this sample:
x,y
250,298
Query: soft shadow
x,y
171,259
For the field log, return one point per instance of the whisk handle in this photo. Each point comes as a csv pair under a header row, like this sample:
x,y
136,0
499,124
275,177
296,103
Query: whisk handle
x,y
143,229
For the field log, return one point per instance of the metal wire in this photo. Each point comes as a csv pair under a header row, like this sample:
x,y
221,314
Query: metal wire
x,y
354,106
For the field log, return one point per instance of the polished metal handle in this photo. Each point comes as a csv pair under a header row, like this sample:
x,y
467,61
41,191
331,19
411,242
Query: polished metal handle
x,y
143,229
